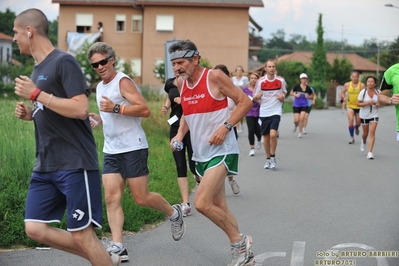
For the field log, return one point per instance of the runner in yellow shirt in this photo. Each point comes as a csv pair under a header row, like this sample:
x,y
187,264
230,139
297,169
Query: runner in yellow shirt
x,y
353,88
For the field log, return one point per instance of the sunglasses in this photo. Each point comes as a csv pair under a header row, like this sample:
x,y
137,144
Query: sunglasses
x,y
102,62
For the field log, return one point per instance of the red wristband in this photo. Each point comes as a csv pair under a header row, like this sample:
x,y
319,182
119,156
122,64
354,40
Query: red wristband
x,y
35,94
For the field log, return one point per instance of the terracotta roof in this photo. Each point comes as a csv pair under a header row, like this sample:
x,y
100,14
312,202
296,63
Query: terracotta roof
x,y
210,3
359,63
5,37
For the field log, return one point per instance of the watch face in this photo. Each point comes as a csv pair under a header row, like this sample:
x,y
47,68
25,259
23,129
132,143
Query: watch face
x,y
116,108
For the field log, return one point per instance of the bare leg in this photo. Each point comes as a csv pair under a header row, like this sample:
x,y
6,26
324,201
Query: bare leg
x,y
183,185
114,186
273,142
143,197
211,202
266,145
373,127
83,243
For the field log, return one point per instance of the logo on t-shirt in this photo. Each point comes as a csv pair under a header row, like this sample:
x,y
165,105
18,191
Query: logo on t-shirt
x,y
268,85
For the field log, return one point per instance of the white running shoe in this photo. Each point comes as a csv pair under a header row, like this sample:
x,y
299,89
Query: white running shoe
x,y
177,225
361,146
299,135
370,156
258,144
186,209
240,251
121,252
304,131
251,152
294,128
234,186
273,163
116,259
267,164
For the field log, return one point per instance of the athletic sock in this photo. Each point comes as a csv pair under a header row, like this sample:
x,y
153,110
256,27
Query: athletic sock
x,y
351,131
272,155
174,215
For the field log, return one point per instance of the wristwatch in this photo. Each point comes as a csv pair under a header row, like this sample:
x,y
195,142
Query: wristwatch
x,y
117,108
228,126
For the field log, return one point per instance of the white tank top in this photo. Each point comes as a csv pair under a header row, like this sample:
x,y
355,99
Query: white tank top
x,y
122,133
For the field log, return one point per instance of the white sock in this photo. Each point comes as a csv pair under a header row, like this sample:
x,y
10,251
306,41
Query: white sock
x,y
174,215
119,245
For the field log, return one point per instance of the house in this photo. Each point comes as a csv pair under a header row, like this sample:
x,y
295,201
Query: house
x,y
360,64
5,48
138,30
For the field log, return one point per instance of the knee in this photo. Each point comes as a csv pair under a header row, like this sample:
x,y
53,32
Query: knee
x,y
201,205
141,199
111,199
36,231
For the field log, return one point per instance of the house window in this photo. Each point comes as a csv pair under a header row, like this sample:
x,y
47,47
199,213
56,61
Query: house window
x,y
164,23
84,22
120,23
137,23
136,67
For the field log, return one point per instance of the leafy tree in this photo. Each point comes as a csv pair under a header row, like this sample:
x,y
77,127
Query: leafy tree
x,y
291,70
319,62
340,70
159,71
7,22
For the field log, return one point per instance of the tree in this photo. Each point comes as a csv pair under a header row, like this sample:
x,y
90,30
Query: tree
x,y
7,22
319,62
291,70
340,70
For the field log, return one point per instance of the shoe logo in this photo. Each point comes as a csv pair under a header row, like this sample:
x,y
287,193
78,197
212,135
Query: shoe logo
x,y
78,215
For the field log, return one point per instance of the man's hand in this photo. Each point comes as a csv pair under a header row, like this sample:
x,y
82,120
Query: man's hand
x,y
24,87
22,111
219,136
106,105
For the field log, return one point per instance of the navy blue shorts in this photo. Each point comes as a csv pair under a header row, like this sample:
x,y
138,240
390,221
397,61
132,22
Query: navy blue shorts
x,y
77,191
128,164
269,123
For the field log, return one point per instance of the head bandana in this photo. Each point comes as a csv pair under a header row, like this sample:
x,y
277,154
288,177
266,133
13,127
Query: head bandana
x,y
183,54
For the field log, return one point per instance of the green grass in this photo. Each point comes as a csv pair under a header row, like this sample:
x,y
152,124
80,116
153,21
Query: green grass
x,y
17,156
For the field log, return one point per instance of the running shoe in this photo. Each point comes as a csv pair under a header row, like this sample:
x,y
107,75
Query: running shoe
x,y
250,260
251,152
177,225
294,128
361,146
351,141
370,156
267,164
116,260
186,209
304,131
122,253
357,130
299,135
258,144
234,186
240,251
273,163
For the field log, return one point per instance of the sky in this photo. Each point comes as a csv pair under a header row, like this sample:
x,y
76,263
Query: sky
x,y
351,21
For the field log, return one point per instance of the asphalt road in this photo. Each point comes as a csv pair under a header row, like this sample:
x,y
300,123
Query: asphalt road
x,y
325,200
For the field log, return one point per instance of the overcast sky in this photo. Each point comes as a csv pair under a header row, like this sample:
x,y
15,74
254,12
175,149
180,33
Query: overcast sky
x,y
350,20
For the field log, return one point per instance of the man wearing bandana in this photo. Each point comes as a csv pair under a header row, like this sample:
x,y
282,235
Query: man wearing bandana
x,y
203,94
